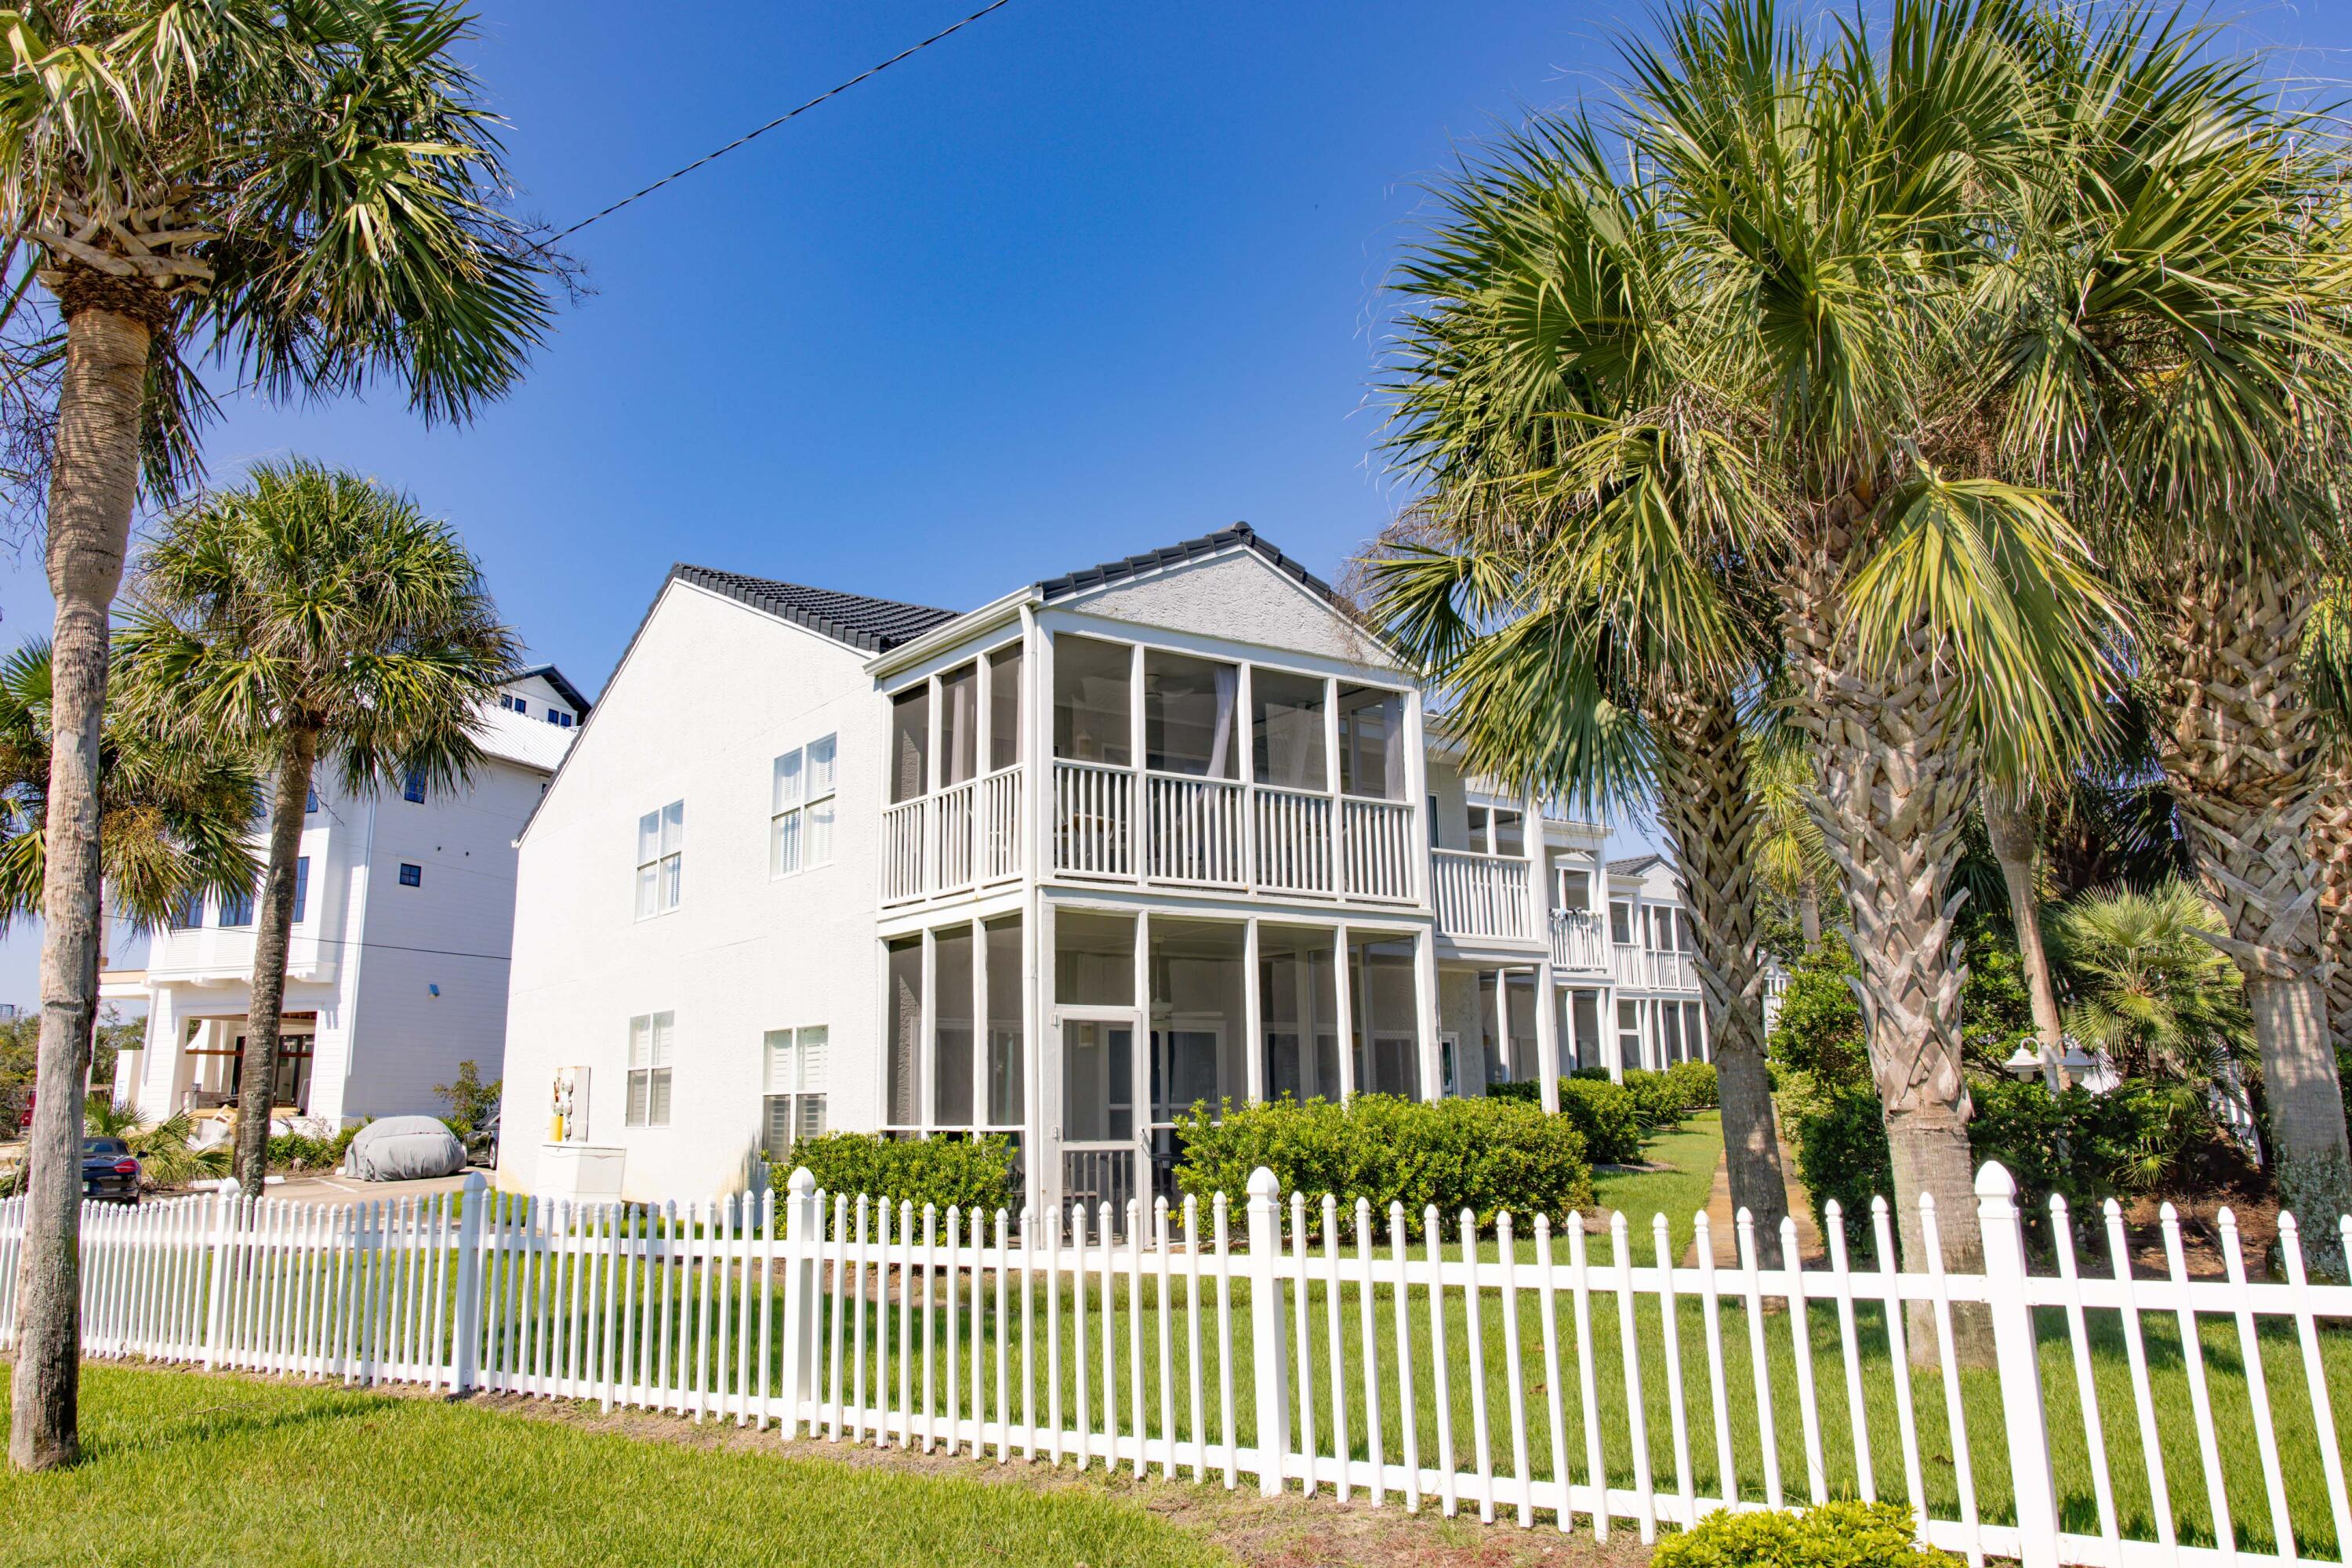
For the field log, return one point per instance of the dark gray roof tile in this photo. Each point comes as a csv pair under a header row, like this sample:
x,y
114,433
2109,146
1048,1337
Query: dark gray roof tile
x,y
873,625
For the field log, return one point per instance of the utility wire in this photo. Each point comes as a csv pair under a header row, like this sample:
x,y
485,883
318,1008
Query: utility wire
x,y
779,120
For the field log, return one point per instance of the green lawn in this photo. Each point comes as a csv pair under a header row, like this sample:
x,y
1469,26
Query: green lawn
x,y
188,1469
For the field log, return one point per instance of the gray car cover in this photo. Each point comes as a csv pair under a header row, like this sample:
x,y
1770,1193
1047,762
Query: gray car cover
x,y
405,1148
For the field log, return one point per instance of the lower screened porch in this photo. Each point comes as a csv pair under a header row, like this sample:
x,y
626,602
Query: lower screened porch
x,y
1088,1044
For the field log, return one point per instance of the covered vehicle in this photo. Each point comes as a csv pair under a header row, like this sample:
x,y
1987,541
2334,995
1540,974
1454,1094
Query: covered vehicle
x,y
404,1149
110,1171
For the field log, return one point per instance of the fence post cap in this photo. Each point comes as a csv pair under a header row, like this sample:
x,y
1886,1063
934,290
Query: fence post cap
x,y
474,1182
1262,1183
802,1184
1995,1182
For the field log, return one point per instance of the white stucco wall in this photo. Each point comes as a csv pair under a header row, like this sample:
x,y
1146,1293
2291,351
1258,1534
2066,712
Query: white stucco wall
x,y
1240,597
707,697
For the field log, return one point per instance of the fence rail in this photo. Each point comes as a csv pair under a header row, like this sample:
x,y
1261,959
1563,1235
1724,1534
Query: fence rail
x,y
1587,1379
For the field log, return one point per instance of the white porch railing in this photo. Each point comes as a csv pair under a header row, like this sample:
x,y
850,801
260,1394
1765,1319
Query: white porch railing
x,y
1000,825
1481,895
906,851
2126,1417
1648,969
1579,944
1376,847
954,807
1218,833
1294,841
1196,831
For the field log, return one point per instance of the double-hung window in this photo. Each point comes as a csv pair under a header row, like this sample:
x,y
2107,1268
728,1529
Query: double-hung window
x,y
661,858
800,829
795,1106
651,1036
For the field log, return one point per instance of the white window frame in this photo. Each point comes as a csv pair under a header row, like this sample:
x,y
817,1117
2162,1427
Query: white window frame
x,y
652,1049
795,800
661,860
792,1071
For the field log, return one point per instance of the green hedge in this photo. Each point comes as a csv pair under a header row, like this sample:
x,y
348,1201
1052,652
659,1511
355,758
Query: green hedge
x,y
1842,1534
942,1171
1602,1112
1694,1081
1482,1154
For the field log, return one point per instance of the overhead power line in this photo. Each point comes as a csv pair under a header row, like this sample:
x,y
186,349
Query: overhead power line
x,y
779,120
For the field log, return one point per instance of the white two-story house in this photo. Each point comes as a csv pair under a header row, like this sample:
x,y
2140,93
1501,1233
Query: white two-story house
x,y
397,965
1172,829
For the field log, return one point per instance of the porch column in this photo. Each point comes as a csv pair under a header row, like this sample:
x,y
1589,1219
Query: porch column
x,y
1043,1155
1343,998
1547,1000
1253,1016
1337,837
1138,845
1142,1089
927,1033
1503,1019
1425,996
1416,796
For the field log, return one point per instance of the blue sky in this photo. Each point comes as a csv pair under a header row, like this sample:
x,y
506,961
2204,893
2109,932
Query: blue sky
x,y
1080,280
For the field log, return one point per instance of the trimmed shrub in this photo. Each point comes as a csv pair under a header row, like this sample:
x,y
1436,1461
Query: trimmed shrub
x,y
299,1151
1482,1154
1694,1081
1830,1535
942,1171
1602,1112
1657,1098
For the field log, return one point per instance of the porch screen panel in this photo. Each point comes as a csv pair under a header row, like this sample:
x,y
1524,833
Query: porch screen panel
x,y
1372,742
1005,1105
1584,1011
1299,1013
1092,701
910,744
1199,1014
903,1014
1188,715
1093,959
960,725
1388,1026
1286,731
1004,671
951,1030
1525,1056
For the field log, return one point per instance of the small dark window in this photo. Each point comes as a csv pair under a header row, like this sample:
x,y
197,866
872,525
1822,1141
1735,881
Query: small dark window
x,y
411,876
310,801
301,887
414,789
188,914
237,909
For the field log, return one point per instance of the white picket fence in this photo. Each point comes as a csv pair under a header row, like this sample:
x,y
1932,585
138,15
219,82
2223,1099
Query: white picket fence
x,y
2127,1421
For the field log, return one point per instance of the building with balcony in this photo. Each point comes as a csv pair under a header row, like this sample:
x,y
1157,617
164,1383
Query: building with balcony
x,y
1174,829
396,967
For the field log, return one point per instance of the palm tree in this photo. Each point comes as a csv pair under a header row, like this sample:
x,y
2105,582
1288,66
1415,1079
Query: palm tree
x,y
1794,426
1577,599
314,618
2150,989
174,818
1791,857
2174,372
308,193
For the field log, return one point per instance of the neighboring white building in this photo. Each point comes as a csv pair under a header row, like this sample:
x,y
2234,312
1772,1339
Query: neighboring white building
x,y
398,966
1164,830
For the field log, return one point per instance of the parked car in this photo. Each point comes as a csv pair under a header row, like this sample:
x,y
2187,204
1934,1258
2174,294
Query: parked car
x,y
110,1171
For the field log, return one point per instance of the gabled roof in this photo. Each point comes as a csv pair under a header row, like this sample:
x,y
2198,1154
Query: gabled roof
x,y
1241,535
1633,865
876,626
563,689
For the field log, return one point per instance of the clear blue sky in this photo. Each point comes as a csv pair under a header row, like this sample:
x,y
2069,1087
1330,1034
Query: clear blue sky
x,y
1080,280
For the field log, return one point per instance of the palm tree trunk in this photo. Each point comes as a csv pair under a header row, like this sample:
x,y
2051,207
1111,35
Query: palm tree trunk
x,y
92,487
2331,848
1708,812
1809,911
2016,843
270,936
1894,774
2240,749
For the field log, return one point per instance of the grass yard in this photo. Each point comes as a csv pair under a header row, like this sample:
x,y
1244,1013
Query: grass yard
x,y
194,1470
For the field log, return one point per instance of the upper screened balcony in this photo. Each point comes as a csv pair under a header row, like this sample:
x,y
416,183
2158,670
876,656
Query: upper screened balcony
x,y
1167,768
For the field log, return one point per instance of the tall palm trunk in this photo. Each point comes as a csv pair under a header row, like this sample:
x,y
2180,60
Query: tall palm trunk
x,y
270,934
1708,812
1809,911
2017,844
92,487
1894,773
2331,849
2240,749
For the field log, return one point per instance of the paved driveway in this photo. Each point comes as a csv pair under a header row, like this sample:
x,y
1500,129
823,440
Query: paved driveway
x,y
335,1189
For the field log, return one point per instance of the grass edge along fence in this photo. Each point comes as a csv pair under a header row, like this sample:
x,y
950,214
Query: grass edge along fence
x,y
2124,1421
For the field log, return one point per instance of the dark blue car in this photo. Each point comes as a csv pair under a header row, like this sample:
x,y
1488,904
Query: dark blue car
x,y
110,1171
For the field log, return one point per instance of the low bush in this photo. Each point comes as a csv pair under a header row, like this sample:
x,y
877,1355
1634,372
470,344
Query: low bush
x,y
1602,1112
1694,1081
1830,1535
942,1171
1481,1154
1657,1097
290,1152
